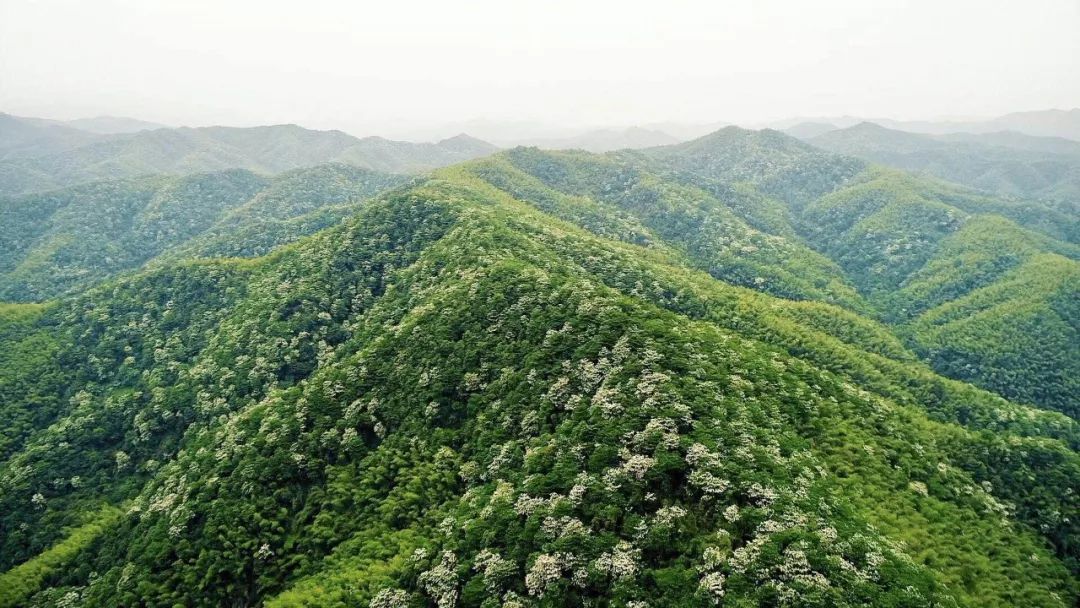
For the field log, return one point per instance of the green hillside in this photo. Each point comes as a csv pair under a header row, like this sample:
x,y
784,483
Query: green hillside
x,y
486,389
1019,335
738,371
905,244
66,240
756,209
713,232
778,165
1009,164
977,254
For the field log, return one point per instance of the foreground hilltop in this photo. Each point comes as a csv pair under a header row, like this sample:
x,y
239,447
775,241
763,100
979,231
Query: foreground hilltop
x,y
693,375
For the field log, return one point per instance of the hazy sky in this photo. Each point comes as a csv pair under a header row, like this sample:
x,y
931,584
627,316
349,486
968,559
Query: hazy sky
x,y
389,66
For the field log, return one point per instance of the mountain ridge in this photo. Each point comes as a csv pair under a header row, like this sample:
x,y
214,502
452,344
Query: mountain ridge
x,y
1042,123
1005,163
549,378
267,149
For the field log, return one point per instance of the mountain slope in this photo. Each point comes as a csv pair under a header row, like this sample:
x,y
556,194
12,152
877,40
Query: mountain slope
x,y
1019,335
460,396
1008,164
903,242
979,253
778,165
756,209
67,240
709,230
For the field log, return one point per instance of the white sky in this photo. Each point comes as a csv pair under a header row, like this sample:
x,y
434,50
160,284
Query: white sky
x,y
394,65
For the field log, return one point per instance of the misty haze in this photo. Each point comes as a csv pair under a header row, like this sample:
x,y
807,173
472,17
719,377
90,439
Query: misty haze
x,y
481,304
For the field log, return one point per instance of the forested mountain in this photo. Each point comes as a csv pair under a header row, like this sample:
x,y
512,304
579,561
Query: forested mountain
x,y
723,372
909,244
1010,164
66,240
182,151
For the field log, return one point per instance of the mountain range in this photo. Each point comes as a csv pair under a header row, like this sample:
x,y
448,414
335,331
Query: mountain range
x,y
1005,163
740,370
36,157
1040,123
110,125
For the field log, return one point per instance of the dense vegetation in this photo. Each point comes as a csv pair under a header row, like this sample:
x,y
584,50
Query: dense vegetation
x,y
762,210
1011,164
66,240
909,244
696,375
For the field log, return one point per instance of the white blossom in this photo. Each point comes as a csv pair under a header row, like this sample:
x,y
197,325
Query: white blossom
x,y
637,465
708,483
441,581
621,562
545,571
264,552
390,598
713,586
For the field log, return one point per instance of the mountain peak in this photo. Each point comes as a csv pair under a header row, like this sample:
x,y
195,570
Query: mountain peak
x,y
463,142
867,125
867,132
739,137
